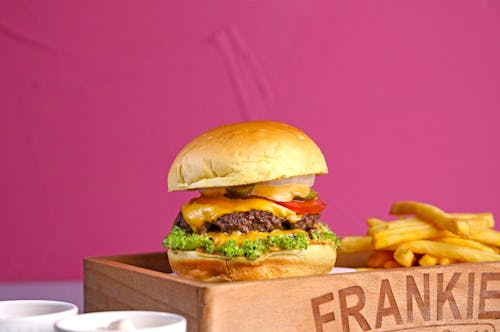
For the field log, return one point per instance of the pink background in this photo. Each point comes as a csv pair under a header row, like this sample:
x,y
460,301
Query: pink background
x,y
97,97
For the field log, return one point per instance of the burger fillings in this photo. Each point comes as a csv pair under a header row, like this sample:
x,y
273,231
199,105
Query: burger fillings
x,y
256,216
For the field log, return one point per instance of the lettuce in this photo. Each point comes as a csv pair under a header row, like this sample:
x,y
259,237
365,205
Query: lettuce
x,y
325,234
254,249
180,240
296,241
231,249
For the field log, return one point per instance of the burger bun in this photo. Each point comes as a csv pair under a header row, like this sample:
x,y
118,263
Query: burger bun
x,y
316,259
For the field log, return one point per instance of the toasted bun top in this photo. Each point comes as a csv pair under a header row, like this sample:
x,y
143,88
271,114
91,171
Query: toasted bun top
x,y
243,153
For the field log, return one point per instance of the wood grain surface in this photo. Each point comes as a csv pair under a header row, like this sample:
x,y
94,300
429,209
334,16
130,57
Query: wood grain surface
x,y
456,297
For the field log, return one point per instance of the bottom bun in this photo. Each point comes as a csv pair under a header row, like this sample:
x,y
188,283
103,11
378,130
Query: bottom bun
x,y
316,259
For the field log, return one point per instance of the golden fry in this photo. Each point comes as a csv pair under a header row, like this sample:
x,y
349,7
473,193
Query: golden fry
x,y
446,261
397,224
390,237
375,222
488,236
449,250
428,260
477,220
406,222
469,243
405,257
431,214
375,229
350,244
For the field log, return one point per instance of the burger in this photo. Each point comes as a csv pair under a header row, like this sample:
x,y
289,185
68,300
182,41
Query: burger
x,y
256,215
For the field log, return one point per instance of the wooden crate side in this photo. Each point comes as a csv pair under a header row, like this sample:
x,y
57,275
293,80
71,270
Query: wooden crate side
x,y
353,260
156,261
113,285
459,297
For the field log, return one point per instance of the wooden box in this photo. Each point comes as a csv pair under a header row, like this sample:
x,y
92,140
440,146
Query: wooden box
x,y
458,297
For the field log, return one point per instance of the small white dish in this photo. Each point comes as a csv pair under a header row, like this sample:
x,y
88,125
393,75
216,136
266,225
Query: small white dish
x,y
33,315
150,321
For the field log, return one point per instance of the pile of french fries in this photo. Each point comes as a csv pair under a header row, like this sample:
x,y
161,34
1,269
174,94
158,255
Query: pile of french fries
x,y
425,235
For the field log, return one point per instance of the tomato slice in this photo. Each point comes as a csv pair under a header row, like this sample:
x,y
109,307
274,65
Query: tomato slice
x,y
312,206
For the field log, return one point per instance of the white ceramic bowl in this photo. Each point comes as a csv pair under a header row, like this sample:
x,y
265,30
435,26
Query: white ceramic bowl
x,y
150,321
33,315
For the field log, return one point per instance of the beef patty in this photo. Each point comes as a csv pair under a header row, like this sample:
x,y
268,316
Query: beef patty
x,y
253,220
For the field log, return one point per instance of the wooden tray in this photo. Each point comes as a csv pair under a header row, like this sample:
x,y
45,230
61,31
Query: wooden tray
x,y
457,297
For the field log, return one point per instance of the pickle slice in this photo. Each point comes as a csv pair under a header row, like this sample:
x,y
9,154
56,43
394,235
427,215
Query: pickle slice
x,y
240,191
311,195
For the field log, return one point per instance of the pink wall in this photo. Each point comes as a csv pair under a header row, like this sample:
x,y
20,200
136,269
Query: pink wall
x,y
96,98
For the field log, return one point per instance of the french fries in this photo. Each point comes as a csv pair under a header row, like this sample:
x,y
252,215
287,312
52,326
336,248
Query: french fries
x,y
404,256
425,235
476,220
387,238
470,244
428,260
433,215
488,236
447,250
356,243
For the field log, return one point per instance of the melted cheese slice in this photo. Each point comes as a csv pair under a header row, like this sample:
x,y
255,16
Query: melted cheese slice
x,y
221,238
203,209
281,193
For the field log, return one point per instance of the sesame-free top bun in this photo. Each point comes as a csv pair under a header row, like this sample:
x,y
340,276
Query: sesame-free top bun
x,y
316,259
243,153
